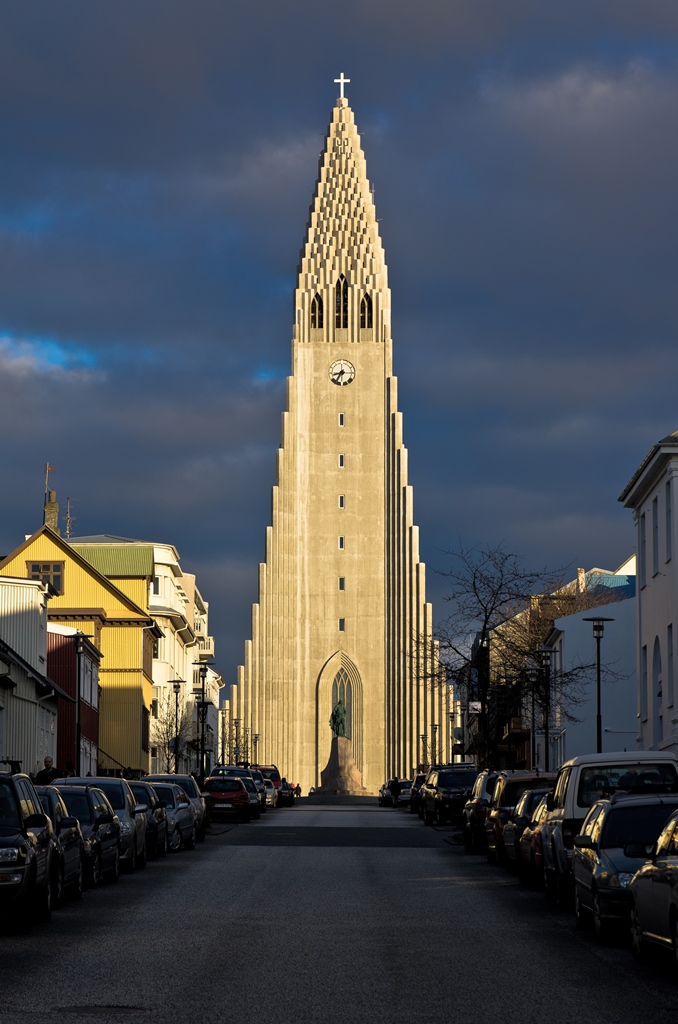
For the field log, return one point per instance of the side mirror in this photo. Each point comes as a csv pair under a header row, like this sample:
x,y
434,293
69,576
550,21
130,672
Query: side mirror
x,y
584,843
522,820
68,822
36,821
103,819
549,802
140,808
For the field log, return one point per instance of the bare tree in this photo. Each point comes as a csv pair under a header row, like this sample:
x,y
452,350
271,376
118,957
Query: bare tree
x,y
171,742
491,642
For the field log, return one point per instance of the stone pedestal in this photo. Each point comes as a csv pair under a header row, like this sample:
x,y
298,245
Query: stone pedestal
x,y
341,776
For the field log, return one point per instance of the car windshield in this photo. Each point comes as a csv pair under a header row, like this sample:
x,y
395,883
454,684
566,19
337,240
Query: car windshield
x,y
270,773
189,787
115,791
513,790
224,785
9,813
457,780
141,794
599,781
166,794
635,824
78,806
249,785
258,777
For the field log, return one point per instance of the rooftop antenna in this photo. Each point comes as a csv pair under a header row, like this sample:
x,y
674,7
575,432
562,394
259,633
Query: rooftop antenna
x,y
70,520
48,469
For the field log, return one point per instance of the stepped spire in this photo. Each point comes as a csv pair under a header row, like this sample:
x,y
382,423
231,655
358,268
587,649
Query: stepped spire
x,y
343,235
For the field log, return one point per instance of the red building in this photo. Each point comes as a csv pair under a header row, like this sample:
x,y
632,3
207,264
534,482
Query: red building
x,y
73,664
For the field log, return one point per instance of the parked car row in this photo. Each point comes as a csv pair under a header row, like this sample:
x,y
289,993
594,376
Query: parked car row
x,y
600,836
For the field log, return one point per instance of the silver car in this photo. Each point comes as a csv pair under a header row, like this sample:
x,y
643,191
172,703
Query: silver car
x,y
190,788
271,794
132,817
181,823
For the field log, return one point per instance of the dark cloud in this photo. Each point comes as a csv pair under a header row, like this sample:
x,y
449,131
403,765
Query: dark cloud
x,y
158,162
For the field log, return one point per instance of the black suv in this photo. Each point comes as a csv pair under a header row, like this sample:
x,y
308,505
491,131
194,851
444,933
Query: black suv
x,y
445,792
67,856
157,836
26,849
100,830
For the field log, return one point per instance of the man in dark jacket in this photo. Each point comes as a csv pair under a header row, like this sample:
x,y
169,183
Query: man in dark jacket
x,y
48,773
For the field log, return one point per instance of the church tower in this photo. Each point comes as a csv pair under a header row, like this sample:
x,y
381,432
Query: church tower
x,y
342,612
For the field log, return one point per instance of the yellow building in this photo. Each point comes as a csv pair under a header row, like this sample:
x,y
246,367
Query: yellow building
x,y
119,626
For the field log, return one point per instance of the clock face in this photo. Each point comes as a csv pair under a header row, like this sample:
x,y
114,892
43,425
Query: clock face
x,y
342,372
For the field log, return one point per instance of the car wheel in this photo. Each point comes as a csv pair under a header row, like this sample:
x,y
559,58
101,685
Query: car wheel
x,y
131,864
57,886
550,887
141,857
76,886
95,871
638,945
175,840
162,847
601,927
42,902
114,871
580,917
190,839
152,848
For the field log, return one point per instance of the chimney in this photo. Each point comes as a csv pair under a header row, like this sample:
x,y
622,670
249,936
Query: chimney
x,y
51,514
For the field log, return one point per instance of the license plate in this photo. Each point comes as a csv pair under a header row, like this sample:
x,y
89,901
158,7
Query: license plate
x,y
216,806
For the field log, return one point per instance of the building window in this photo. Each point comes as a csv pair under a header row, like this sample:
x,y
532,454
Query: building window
x,y
342,625
48,572
341,544
342,583
341,462
669,665
154,708
643,684
156,585
642,553
341,419
655,536
669,525
156,648
342,501
145,724
317,312
341,303
366,311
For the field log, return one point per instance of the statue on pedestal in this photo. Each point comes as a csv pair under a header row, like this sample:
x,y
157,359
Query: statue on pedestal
x,y
338,719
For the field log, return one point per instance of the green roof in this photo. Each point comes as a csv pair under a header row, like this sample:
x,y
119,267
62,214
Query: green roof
x,y
118,559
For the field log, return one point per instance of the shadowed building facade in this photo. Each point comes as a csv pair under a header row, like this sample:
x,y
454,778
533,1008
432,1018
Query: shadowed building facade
x,y
342,611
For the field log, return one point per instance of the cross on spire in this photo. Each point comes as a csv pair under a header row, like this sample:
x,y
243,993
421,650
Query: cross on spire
x,y
342,82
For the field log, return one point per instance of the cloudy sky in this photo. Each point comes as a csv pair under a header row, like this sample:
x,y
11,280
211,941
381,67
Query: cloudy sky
x,y
158,159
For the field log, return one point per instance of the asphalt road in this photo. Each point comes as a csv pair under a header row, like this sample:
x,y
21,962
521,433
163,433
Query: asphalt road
x,y
324,915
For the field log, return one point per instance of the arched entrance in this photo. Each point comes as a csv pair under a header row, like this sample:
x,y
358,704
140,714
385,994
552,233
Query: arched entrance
x,y
339,679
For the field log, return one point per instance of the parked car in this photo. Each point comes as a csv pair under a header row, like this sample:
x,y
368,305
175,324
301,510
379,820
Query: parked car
x,y
508,789
384,799
285,794
100,831
654,895
261,789
445,792
519,821
269,771
583,781
271,794
227,797
181,817
68,846
615,841
132,817
475,810
530,855
404,794
26,849
415,790
190,788
253,794
156,819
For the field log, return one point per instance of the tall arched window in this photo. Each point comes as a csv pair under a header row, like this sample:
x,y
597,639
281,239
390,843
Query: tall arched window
x,y
341,305
317,312
342,690
366,311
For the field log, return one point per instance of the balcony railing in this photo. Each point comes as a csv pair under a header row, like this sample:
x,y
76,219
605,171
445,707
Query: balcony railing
x,y
206,646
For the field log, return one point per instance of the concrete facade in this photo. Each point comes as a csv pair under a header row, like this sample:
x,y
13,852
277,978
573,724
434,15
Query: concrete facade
x,y
342,606
651,495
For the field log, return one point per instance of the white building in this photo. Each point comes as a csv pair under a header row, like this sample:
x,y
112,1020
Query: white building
x,y
28,698
650,495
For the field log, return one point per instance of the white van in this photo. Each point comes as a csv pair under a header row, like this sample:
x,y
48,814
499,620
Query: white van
x,y
583,780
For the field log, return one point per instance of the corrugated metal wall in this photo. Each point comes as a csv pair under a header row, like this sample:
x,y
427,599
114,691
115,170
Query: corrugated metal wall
x,y
23,620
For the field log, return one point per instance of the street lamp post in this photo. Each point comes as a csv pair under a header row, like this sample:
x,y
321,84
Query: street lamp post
x,y
203,676
533,687
598,631
423,749
546,653
236,749
255,745
176,685
434,750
